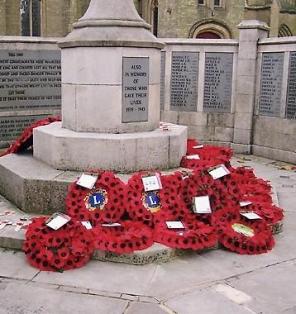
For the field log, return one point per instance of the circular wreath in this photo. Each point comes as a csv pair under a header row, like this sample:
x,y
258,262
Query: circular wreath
x,y
106,202
150,207
241,235
210,156
130,236
26,138
269,212
195,236
67,248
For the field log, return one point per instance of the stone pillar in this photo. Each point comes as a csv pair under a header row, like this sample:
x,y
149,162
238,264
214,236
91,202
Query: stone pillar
x,y
250,32
110,97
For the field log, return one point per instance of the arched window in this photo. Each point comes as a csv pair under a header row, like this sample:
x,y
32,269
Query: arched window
x,y
284,31
210,29
154,17
30,11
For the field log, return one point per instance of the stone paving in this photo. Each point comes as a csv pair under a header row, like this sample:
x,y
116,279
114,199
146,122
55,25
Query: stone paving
x,y
216,281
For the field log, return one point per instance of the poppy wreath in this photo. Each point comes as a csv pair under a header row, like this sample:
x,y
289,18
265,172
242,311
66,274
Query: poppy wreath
x,y
150,207
67,248
199,183
210,156
105,203
269,212
130,236
196,235
241,235
26,138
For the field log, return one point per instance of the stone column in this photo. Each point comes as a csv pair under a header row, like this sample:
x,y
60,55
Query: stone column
x,y
110,97
250,32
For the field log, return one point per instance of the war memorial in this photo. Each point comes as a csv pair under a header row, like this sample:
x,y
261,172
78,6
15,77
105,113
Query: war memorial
x,y
120,143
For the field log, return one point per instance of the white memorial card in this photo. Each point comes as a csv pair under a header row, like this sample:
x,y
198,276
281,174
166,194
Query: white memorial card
x,y
251,215
193,157
201,205
87,181
219,172
175,225
57,220
112,225
152,183
198,146
244,203
87,225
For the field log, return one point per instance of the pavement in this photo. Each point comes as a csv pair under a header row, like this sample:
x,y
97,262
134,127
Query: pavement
x,y
211,282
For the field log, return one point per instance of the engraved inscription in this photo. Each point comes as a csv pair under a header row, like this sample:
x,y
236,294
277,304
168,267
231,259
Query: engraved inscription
x,y
291,95
271,84
218,82
135,89
30,79
162,80
184,77
12,127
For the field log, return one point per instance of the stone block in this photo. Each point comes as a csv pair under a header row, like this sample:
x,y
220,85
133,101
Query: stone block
x,y
223,134
170,116
69,106
273,153
241,148
221,119
193,118
242,136
248,50
244,103
243,121
246,67
68,150
245,84
201,133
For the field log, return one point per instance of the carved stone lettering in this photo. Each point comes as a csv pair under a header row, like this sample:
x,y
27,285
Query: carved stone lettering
x,y
271,84
184,80
30,79
135,89
291,95
12,127
218,82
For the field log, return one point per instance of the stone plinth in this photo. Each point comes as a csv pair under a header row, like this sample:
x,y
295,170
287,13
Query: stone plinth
x,y
68,150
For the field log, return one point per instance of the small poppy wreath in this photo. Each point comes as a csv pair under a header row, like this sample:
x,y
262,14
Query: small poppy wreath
x,y
241,235
26,138
130,236
67,248
195,236
149,207
106,202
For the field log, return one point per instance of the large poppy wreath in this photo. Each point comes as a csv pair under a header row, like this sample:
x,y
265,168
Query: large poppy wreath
x,y
150,207
241,235
69,247
106,202
127,237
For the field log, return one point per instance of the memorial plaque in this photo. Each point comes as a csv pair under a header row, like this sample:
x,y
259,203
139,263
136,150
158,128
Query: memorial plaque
x,y
184,80
12,127
135,89
271,84
30,79
291,94
162,80
218,82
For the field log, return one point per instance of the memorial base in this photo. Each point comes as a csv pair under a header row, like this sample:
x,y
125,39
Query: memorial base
x,y
79,151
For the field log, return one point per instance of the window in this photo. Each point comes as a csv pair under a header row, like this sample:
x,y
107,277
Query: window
x,y
201,2
30,11
155,17
217,3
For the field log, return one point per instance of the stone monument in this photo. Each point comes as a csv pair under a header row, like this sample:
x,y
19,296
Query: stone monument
x,y
110,97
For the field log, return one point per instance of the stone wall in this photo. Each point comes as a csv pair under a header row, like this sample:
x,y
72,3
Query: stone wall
x,y
259,115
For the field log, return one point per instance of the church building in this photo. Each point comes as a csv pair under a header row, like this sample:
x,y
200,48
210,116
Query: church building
x,y
212,19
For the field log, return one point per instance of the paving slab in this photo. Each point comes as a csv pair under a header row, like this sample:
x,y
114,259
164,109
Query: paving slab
x,y
144,308
272,290
205,301
26,299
